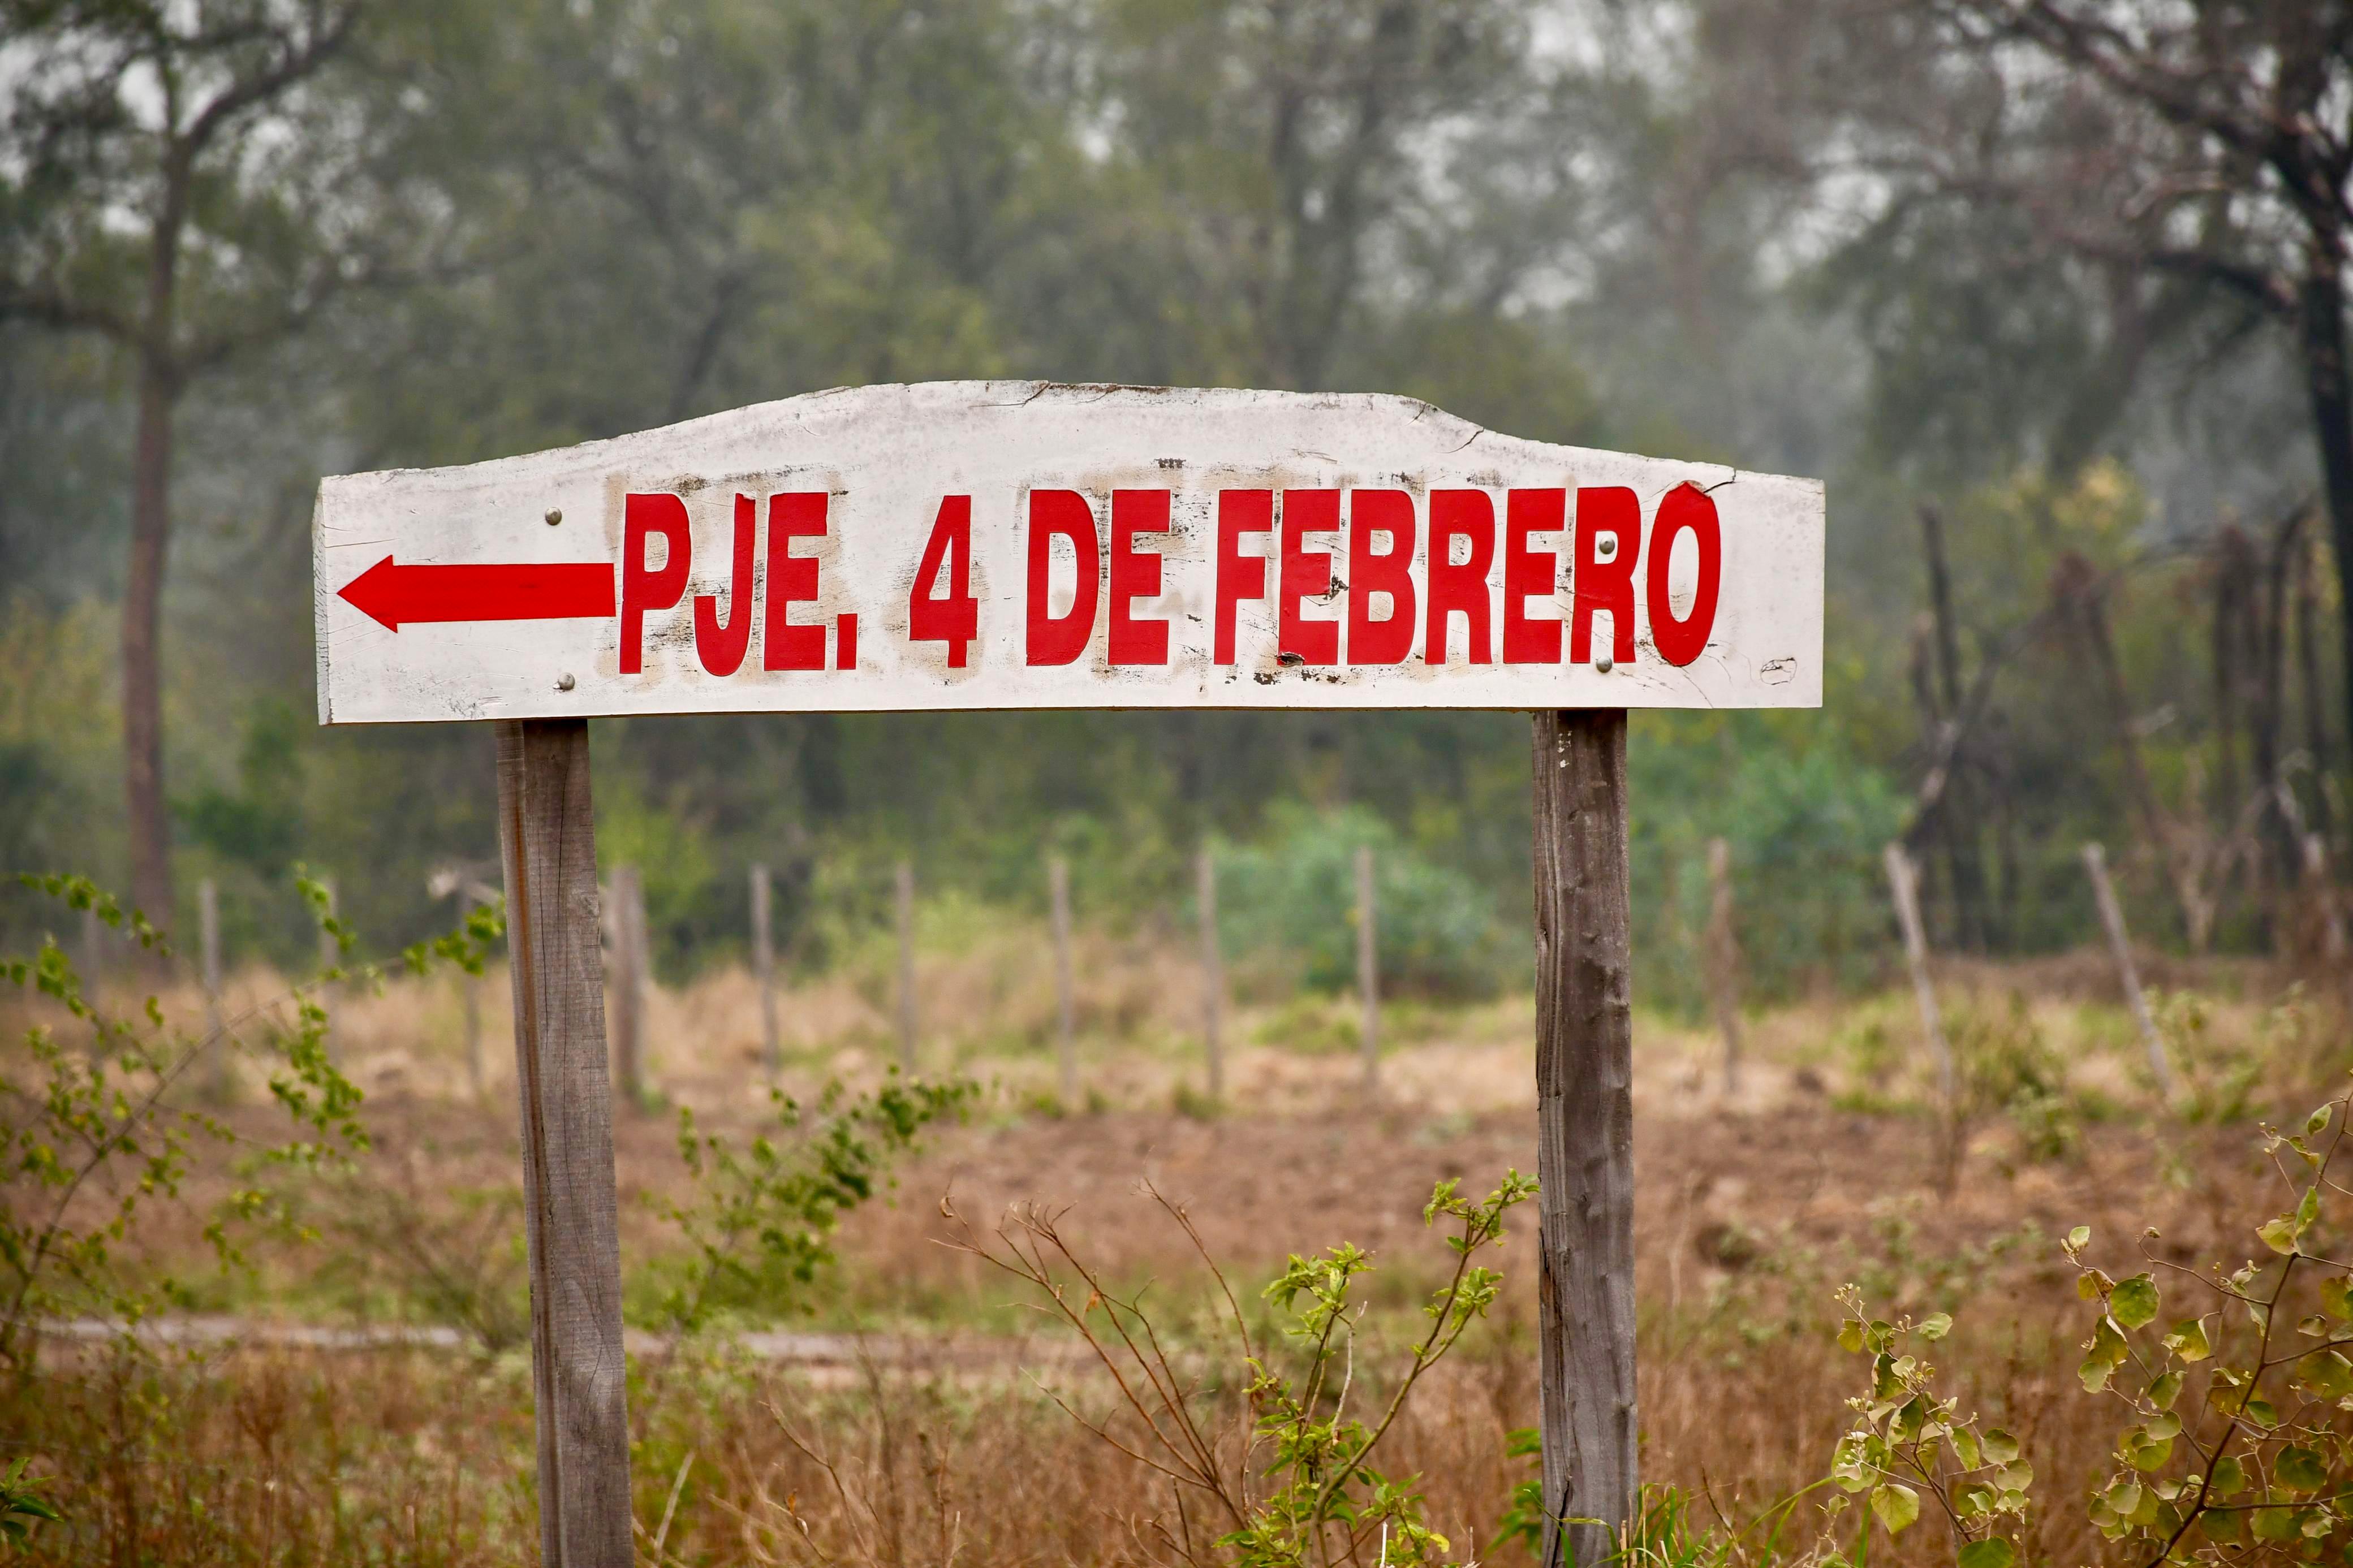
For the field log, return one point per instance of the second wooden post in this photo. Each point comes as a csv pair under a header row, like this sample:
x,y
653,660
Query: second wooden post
x,y
547,838
1585,1129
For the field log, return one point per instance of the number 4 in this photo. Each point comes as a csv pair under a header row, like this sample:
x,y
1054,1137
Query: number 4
x,y
951,617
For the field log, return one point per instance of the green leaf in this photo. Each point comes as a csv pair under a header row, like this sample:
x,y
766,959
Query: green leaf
x,y
2228,1477
2079,1238
2143,1450
2318,1120
2327,1374
1992,1553
2277,1524
1936,1325
2279,1233
2134,1302
2001,1448
1967,1449
2164,1390
1850,1335
2335,1298
2300,1469
2188,1340
1897,1506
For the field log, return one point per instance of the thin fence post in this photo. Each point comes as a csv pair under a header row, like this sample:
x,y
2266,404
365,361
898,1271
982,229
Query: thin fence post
x,y
209,952
2329,908
1213,972
2112,917
763,971
565,1099
1369,975
1058,885
1904,882
1723,958
906,900
1585,1132
628,1000
93,956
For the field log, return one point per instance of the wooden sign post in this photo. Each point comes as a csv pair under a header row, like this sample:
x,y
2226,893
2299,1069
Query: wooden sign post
x,y
995,545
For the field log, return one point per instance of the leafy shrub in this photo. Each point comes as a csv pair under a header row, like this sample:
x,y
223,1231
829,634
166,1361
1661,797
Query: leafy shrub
x,y
1302,1487
1286,911
92,1132
761,1221
2231,1443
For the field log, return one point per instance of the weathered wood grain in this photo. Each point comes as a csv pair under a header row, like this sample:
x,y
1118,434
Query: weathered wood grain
x,y
547,841
1585,1128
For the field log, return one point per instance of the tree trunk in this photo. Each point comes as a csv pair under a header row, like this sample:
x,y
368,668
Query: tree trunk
x,y
2331,389
148,823
2308,650
1959,815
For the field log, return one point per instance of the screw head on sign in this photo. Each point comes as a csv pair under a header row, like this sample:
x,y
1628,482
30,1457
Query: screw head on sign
x,y
554,515
1606,546
563,683
1604,664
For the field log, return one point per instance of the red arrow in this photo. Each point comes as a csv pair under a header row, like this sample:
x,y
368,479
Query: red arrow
x,y
392,594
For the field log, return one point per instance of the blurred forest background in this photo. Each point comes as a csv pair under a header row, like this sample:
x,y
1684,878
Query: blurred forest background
x,y
2054,306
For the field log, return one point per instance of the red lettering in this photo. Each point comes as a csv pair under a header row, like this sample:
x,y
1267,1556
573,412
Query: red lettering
x,y
1240,576
952,617
1685,507
1600,584
793,580
1306,573
1135,574
642,587
1063,514
1370,571
1528,573
1460,587
845,640
721,649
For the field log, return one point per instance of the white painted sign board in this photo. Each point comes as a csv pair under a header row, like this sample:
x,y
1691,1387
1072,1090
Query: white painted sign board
x,y
1018,545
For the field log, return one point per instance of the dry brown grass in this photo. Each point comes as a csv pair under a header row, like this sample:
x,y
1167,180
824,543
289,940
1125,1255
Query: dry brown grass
x,y
1752,1207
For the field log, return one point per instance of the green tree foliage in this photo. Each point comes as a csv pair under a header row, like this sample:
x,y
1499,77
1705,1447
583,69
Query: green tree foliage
x,y
1288,909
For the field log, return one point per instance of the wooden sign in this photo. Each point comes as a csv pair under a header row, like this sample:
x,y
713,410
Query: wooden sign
x,y
1011,544
1001,544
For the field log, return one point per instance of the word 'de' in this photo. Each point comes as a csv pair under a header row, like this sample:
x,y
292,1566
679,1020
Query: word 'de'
x,y
999,545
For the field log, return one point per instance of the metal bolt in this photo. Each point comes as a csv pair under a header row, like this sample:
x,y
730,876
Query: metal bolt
x,y
1606,546
554,515
563,683
1604,664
